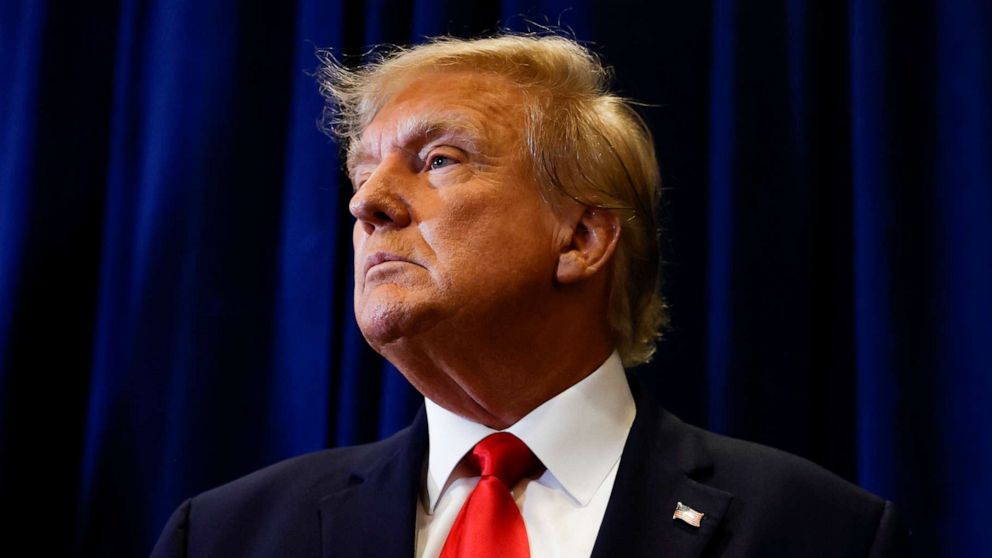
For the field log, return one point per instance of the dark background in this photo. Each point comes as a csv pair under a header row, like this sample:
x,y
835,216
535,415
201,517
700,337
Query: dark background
x,y
175,261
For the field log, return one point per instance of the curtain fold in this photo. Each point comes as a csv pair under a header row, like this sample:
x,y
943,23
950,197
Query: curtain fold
x,y
961,364
175,246
19,69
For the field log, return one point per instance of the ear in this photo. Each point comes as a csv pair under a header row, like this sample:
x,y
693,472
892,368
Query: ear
x,y
594,240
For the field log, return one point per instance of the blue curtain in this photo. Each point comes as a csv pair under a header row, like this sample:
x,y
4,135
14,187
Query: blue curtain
x,y
175,282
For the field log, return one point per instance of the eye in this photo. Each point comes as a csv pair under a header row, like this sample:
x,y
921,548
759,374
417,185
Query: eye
x,y
440,161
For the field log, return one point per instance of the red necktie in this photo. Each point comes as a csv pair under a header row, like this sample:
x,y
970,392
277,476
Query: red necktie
x,y
489,523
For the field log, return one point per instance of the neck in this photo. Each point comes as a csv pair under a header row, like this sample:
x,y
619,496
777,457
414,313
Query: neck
x,y
497,375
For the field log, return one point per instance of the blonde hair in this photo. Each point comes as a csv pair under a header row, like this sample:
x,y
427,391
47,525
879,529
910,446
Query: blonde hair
x,y
583,141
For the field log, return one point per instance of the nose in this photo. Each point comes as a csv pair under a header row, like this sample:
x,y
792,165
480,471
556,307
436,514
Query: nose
x,y
381,202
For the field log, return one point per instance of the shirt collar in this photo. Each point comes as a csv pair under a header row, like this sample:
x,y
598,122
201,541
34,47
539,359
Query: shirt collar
x,y
578,434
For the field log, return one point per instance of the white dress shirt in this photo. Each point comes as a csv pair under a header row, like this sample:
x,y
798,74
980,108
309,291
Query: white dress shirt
x,y
578,435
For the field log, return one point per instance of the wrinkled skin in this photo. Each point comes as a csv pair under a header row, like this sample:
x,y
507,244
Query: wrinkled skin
x,y
489,298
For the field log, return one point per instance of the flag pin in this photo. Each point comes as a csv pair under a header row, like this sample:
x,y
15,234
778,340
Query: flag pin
x,y
687,514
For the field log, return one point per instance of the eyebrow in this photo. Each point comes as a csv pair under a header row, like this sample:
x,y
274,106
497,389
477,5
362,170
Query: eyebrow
x,y
424,128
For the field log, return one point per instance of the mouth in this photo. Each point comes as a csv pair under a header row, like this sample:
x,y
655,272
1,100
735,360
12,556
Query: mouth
x,y
381,258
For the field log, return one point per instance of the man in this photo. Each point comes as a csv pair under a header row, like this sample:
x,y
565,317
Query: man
x,y
505,261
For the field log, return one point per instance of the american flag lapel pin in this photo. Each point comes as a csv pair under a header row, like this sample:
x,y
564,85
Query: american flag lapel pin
x,y
687,514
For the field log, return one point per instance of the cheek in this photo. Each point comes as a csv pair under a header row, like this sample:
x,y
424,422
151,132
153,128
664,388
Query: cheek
x,y
467,227
484,239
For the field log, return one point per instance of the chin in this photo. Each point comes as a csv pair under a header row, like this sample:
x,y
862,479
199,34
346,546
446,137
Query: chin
x,y
384,322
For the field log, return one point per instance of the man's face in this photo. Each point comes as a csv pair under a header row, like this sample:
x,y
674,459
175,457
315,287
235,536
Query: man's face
x,y
452,233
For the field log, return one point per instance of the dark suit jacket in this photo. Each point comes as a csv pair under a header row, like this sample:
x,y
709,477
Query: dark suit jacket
x,y
360,501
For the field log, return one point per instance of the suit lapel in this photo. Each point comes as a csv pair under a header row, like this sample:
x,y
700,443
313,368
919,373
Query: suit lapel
x,y
374,514
660,461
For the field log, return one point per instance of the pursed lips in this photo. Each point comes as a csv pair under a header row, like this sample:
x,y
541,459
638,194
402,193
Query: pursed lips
x,y
383,257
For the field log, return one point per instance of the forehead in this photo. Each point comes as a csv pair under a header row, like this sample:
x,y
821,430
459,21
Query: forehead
x,y
485,110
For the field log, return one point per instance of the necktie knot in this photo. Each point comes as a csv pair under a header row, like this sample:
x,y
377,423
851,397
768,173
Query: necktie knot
x,y
504,456
489,524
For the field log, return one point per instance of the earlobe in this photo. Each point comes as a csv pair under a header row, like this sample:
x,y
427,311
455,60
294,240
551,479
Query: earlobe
x,y
594,240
